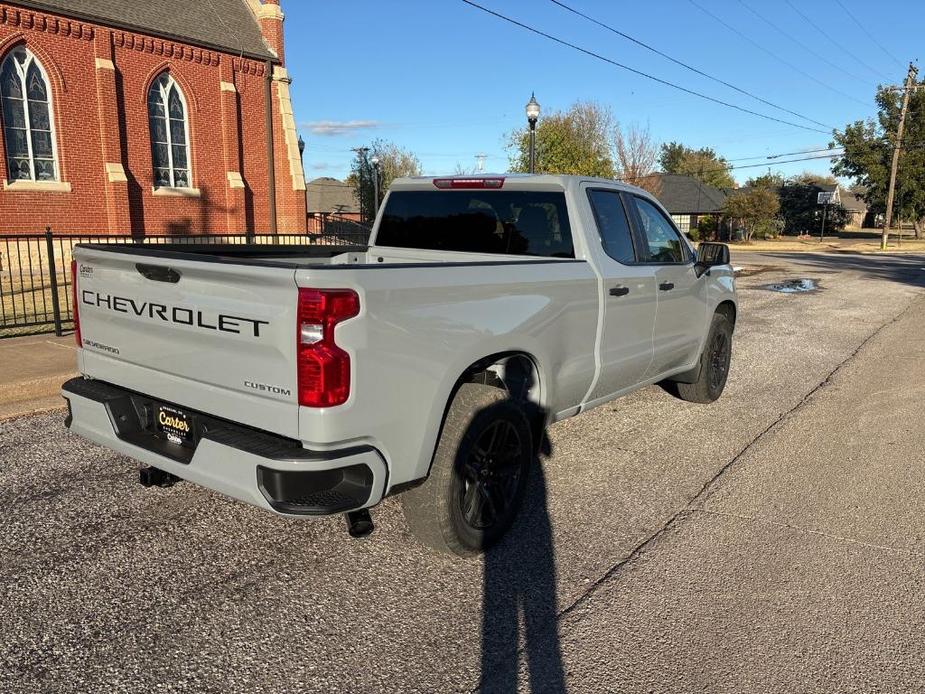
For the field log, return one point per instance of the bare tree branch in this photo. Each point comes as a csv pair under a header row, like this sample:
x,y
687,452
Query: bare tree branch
x,y
637,157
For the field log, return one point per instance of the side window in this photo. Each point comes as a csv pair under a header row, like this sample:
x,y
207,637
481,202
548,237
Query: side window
x,y
612,225
664,244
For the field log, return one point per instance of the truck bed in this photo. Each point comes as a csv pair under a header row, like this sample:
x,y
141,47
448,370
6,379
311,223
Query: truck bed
x,y
314,257
276,255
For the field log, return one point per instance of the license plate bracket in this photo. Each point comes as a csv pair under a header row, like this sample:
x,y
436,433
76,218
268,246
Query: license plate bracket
x,y
174,425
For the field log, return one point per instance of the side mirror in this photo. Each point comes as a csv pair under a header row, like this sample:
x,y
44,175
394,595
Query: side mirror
x,y
710,255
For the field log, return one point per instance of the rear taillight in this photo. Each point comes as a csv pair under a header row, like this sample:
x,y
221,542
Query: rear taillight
x,y
323,367
74,303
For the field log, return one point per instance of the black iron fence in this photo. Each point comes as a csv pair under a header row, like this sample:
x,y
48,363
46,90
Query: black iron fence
x,y
333,223
35,270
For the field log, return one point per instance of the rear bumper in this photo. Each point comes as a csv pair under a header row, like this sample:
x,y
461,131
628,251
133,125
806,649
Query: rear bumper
x,y
269,471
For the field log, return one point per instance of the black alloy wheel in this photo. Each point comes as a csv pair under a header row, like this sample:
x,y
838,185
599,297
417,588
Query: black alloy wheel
x,y
720,354
479,475
710,376
489,490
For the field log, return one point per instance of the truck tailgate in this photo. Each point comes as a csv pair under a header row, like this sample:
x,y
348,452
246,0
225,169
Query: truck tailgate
x,y
213,336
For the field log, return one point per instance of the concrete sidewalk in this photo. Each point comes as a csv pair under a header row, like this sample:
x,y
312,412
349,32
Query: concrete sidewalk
x,y
791,244
32,370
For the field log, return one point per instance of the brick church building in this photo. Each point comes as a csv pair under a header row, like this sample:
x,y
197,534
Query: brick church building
x,y
147,117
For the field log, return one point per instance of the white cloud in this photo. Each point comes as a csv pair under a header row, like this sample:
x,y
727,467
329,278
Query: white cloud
x,y
339,127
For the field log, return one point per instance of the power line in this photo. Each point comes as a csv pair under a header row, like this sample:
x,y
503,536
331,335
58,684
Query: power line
x,y
788,161
586,51
805,151
867,33
831,40
762,165
685,65
734,168
775,56
787,154
795,40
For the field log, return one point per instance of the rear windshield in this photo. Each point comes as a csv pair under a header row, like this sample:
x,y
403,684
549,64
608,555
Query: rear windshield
x,y
478,221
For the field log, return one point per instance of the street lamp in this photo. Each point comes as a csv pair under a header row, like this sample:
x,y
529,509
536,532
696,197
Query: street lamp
x,y
301,147
533,114
375,162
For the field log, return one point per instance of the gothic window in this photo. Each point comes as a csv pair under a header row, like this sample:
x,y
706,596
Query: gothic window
x,y
167,114
28,129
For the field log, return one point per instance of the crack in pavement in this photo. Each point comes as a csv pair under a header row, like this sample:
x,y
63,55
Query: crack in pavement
x,y
695,503
710,484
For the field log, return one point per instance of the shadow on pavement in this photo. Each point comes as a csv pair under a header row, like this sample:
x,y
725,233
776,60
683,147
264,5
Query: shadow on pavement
x,y
520,593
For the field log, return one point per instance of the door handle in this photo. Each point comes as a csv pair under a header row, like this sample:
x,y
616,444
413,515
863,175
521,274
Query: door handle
x,y
158,273
619,291
666,286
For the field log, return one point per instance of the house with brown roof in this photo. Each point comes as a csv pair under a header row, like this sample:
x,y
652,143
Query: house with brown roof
x,y
687,199
853,202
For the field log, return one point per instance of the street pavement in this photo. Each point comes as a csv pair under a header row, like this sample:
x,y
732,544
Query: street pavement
x,y
772,541
32,370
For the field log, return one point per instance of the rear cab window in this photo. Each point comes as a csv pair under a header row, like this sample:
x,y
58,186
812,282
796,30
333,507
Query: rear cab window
x,y
612,224
508,222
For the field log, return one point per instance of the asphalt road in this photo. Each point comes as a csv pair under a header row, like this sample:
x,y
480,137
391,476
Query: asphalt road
x,y
772,541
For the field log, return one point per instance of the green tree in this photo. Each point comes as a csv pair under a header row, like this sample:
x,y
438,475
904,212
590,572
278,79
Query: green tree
x,y
671,155
394,162
769,181
576,141
755,208
868,151
704,164
814,179
800,210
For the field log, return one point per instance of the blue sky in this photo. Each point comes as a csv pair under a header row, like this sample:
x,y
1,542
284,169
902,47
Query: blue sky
x,y
447,81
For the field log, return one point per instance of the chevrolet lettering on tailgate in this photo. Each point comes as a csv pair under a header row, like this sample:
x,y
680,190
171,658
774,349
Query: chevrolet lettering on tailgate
x,y
174,314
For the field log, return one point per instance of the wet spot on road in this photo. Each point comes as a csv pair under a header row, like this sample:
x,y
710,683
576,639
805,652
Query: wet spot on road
x,y
796,286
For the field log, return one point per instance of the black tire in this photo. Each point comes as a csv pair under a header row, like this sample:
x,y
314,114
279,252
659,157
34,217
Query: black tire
x,y
714,364
477,481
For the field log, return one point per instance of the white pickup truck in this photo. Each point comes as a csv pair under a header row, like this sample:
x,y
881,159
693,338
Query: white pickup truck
x,y
318,380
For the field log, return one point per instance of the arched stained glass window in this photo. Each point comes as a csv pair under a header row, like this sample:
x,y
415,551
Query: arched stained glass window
x,y
28,130
167,115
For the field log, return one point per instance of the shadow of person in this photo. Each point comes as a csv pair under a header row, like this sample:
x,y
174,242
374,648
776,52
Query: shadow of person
x,y
520,593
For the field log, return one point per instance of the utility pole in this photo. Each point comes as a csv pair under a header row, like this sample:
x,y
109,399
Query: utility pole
x,y
825,207
888,216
